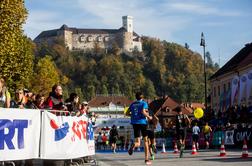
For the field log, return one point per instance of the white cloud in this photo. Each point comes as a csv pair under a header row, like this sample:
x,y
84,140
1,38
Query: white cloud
x,y
148,19
200,8
41,20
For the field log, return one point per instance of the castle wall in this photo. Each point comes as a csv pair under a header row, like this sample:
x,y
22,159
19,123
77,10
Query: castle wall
x,y
87,41
128,41
68,36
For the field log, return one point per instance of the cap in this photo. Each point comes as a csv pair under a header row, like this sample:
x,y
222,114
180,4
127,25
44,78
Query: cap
x,y
85,102
25,90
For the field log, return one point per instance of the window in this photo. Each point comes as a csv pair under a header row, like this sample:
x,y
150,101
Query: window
x,y
218,90
99,38
82,38
224,88
214,91
90,38
229,86
106,38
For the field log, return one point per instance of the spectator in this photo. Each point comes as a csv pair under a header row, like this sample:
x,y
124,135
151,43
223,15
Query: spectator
x,y
84,109
104,141
72,103
40,101
19,100
5,97
99,141
55,100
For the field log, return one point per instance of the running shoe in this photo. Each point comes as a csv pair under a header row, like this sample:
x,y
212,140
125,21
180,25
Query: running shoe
x,y
152,157
154,148
147,162
130,151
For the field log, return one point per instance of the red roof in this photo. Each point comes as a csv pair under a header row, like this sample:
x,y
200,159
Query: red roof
x,y
104,101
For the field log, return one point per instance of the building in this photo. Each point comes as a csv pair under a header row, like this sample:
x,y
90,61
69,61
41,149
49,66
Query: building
x,y
87,39
109,106
164,109
232,84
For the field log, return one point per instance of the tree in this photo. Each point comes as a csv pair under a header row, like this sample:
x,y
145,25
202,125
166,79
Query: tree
x,y
90,92
104,90
209,62
149,90
16,58
45,76
79,92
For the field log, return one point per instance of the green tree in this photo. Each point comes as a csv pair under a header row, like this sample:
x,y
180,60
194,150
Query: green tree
x,y
16,58
90,92
45,76
104,90
79,92
149,89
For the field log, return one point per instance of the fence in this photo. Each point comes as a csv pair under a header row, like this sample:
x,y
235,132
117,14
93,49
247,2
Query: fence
x,y
35,134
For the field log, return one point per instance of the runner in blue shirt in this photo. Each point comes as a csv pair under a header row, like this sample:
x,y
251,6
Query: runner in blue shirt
x,y
139,117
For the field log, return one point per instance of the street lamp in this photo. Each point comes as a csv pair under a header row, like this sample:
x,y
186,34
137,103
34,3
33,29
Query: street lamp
x,y
203,44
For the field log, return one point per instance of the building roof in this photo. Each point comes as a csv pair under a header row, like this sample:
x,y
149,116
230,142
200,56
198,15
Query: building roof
x,y
197,105
242,58
104,101
166,107
53,33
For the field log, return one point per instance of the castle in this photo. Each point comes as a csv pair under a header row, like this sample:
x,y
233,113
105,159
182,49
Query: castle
x,y
87,39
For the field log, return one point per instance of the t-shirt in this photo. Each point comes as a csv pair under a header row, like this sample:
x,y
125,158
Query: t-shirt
x,y
180,121
206,129
196,130
136,109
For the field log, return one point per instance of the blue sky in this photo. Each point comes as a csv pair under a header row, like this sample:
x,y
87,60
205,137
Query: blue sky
x,y
227,24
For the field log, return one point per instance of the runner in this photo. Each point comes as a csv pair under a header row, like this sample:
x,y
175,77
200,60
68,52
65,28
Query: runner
x,y
182,121
139,116
151,136
113,136
207,131
195,135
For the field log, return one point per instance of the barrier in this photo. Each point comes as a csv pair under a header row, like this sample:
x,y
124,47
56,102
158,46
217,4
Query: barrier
x,y
40,134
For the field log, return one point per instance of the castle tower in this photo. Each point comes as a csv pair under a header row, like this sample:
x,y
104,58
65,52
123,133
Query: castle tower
x,y
128,23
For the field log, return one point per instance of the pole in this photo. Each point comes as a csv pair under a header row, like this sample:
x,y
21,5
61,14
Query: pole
x,y
204,48
202,43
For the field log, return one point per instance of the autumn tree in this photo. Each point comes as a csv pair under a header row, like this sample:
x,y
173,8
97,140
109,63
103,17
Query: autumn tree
x,y
16,57
45,76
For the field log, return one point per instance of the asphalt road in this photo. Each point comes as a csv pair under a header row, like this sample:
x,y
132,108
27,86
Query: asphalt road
x,y
203,158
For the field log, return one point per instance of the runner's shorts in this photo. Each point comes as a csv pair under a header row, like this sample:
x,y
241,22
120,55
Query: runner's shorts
x,y
140,128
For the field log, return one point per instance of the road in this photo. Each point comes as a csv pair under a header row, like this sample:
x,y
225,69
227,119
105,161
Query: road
x,y
203,158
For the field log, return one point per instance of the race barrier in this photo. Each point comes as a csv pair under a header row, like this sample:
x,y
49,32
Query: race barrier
x,y
35,134
19,134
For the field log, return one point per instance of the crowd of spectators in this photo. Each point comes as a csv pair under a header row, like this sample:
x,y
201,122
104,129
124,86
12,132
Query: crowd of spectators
x,y
23,98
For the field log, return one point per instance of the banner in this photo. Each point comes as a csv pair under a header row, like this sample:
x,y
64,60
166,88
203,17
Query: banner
x,y
66,137
108,122
249,88
235,90
19,134
243,88
229,137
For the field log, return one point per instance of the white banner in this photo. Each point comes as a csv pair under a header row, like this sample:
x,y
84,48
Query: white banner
x,y
249,88
229,137
243,88
19,134
66,137
108,122
235,90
